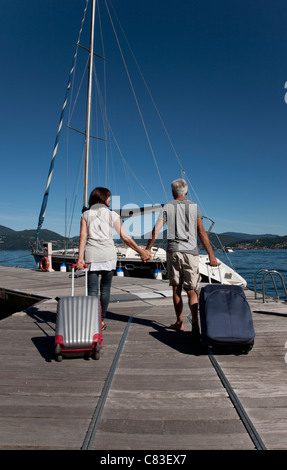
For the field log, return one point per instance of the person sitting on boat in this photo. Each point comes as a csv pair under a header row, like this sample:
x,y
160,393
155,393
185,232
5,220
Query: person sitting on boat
x,y
184,223
97,248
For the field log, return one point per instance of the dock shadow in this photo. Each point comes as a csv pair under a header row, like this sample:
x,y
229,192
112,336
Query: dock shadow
x,y
45,320
41,316
45,346
180,341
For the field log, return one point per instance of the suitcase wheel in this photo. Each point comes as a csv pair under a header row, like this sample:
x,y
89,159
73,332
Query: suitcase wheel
x,y
57,352
96,354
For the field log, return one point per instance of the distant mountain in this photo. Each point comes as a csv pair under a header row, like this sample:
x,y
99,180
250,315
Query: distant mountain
x,y
261,243
246,236
237,240
12,240
222,239
6,230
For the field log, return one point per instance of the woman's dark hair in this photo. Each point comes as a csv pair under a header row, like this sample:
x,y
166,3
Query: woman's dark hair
x,y
99,196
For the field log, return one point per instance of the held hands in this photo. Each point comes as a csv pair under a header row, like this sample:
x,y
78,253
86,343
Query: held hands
x,y
145,255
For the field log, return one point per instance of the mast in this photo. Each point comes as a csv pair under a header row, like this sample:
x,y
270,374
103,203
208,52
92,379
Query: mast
x,y
89,99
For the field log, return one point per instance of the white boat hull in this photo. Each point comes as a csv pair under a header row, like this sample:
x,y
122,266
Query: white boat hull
x,y
227,275
131,264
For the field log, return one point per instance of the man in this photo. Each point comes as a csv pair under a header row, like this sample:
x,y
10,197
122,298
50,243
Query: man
x,y
184,223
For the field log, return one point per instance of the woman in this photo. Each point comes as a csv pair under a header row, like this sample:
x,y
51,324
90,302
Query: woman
x,y
96,245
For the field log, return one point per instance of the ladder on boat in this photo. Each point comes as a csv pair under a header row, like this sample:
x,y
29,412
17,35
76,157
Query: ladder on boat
x,y
270,273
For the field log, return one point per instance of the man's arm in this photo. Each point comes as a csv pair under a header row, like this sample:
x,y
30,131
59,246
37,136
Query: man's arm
x,y
206,243
157,228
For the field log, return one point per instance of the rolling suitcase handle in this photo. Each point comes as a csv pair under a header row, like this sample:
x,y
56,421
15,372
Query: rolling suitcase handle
x,y
208,272
73,279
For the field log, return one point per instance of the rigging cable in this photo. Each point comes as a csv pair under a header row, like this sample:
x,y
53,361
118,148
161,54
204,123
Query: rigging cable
x,y
103,107
156,109
166,131
105,90
155,106
136,100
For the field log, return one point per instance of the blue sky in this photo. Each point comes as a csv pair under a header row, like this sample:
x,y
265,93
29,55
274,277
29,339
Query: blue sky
x,y
217,72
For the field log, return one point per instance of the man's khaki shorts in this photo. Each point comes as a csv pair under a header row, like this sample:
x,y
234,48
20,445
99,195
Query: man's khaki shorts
x,y
183,270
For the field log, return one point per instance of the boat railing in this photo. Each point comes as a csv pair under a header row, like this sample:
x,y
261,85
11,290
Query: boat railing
x,y
270,273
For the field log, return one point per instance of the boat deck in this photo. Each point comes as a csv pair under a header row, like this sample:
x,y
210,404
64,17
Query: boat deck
x,y
152,389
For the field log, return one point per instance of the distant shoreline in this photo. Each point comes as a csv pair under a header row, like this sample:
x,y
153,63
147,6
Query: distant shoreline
x,y
11,240
216,249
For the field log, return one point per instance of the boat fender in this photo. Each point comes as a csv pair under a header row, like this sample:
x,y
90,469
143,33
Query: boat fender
x,y
63,268
44,264
120,272
157,274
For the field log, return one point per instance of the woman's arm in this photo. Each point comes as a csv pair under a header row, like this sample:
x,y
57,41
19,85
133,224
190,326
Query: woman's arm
x,y
82,243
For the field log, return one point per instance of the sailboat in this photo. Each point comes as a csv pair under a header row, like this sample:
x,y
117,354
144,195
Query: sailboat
x,y
128,261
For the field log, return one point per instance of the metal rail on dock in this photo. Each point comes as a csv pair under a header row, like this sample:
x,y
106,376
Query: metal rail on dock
x,y
255,437
270,273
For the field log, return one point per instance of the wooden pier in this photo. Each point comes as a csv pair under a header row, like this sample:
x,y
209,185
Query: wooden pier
x,y
152,389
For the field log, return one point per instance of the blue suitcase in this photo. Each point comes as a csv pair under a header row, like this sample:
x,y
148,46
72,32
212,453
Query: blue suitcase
x,y
226,319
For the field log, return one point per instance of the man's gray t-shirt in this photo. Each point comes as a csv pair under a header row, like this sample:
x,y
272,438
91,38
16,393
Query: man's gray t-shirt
x,y
181,218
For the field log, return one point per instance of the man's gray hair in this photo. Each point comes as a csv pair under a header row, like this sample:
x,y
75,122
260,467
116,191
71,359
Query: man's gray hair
x,y
179,187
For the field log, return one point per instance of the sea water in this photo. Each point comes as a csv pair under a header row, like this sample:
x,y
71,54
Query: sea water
x,y
245,262
20,259
248,262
